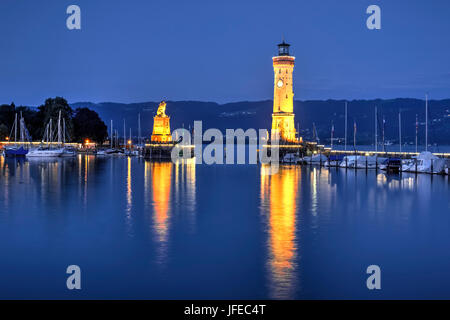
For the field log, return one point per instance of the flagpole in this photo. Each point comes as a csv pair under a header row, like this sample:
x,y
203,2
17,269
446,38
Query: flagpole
x,y
400,129
426,122
345,126
112,135
417,129
376,130
384,145
332,133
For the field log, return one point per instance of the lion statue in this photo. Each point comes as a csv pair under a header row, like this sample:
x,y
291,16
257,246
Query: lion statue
x,y
161,109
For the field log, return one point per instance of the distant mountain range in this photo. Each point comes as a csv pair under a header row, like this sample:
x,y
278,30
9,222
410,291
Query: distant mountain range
x,y
257,114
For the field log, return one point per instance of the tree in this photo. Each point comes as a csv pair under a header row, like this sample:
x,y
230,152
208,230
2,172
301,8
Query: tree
x,y
4,132
50,110
88,125
7,114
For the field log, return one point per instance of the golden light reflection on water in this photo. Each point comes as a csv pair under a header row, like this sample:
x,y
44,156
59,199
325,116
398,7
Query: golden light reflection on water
x,y
161,197
129,198
158,180
279,194
161,182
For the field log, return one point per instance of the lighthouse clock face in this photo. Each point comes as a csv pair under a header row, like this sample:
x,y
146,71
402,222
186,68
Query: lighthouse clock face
x,y
280,83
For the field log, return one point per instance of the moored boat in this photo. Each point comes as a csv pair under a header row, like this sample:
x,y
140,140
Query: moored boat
x,y
315,159
290,158
429,163
45,152
334,160
68,152
18,150
13,151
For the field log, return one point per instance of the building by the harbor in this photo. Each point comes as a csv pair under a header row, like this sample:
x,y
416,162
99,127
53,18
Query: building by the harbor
x,y
161,125
283,96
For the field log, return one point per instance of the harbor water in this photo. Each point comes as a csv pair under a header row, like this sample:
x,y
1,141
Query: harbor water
x,y
159,230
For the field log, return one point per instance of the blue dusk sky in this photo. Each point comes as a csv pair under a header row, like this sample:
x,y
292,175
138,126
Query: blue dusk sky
x,y
149,50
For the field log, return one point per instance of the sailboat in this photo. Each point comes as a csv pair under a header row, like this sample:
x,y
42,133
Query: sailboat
x,y
68,151
46,151
18,150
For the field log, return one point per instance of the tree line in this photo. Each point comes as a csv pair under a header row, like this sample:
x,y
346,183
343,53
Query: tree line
x,y
81,123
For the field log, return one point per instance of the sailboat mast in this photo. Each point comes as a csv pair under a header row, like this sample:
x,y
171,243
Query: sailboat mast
x,y
376,129
59,128
21,129
49,135
384,145
426,122
139,128
64,131
400,129
332,133
124,135
345,126
354,135
112,134
111,138
417,129
15,130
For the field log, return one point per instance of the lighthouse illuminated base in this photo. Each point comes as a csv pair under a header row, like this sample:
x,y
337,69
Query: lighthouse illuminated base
x,y
283,127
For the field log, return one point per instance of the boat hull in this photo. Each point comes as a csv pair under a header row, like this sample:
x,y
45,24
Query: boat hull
x,y
15,152
48,153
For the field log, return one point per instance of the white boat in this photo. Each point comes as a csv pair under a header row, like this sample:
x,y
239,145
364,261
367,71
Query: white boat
x,y
101,153
333,161
348,162
409,164
48,151
429,163
361,162
315,159
382,163
68,152
116,152
290,158
45,152
366,162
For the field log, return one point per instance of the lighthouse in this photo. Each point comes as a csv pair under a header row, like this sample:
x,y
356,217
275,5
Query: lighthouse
x,y
283,96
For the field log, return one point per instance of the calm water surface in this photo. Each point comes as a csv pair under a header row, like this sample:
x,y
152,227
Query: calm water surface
x,y
154,230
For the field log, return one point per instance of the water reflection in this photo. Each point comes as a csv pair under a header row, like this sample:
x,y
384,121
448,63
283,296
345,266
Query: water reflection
x,y
129,199
161,182
279,194
157,183
185,189
168,188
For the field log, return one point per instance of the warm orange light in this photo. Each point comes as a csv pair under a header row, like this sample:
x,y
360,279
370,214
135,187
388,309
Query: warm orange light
x,y
86,141
161,125
129,141
283,124
279,196
7,138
